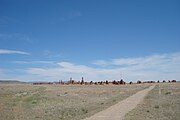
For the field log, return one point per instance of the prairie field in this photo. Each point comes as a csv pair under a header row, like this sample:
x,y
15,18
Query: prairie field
x,y
162,103
60,102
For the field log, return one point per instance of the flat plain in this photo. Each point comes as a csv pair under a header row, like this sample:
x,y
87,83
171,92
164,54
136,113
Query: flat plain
x,y
60,102
162,103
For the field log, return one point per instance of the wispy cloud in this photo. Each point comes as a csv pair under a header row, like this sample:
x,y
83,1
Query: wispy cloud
x,y
4,20
33,62
101,62
5,51
19,37
2,74
70,15
50,54
74,14
144,60
153,67
127,61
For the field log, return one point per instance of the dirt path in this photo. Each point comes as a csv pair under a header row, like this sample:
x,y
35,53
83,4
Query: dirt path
x,y
118,111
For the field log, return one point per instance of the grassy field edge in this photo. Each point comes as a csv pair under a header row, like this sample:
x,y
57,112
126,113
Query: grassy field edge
x,y
162,103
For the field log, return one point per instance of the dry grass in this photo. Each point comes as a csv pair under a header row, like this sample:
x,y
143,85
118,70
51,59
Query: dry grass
x,y
162,103
56,102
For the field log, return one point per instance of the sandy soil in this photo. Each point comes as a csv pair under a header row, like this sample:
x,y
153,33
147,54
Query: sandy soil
x,y
118,111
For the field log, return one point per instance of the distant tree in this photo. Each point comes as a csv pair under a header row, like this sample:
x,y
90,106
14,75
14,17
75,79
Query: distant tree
x,y
114,82
173,81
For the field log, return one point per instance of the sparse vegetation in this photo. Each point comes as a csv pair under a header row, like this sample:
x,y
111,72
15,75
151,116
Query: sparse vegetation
x,y
59,102
162,103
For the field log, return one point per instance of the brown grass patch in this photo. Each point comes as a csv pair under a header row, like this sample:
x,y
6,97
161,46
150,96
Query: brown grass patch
x,y
57,102
162,103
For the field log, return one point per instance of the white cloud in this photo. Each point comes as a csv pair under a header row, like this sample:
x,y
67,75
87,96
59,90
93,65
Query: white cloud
x,y
64,70
3,51
51,55
154,67
126,61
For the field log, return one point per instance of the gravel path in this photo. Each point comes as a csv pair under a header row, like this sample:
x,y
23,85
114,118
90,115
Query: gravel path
x,y
118,111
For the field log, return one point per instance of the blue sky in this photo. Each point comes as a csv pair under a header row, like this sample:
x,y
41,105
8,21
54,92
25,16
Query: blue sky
x,y
50,40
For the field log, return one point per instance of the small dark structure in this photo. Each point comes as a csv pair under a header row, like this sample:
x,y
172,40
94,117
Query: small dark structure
x,y
107,82
82,81
139,82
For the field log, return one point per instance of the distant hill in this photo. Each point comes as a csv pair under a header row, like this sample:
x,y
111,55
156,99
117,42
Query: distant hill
x,y
11,82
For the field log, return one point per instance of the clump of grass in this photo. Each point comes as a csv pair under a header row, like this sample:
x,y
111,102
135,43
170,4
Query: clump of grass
x,y
156,106
167,93
147,97
102,103
34,102
72,113
84,110
29,99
